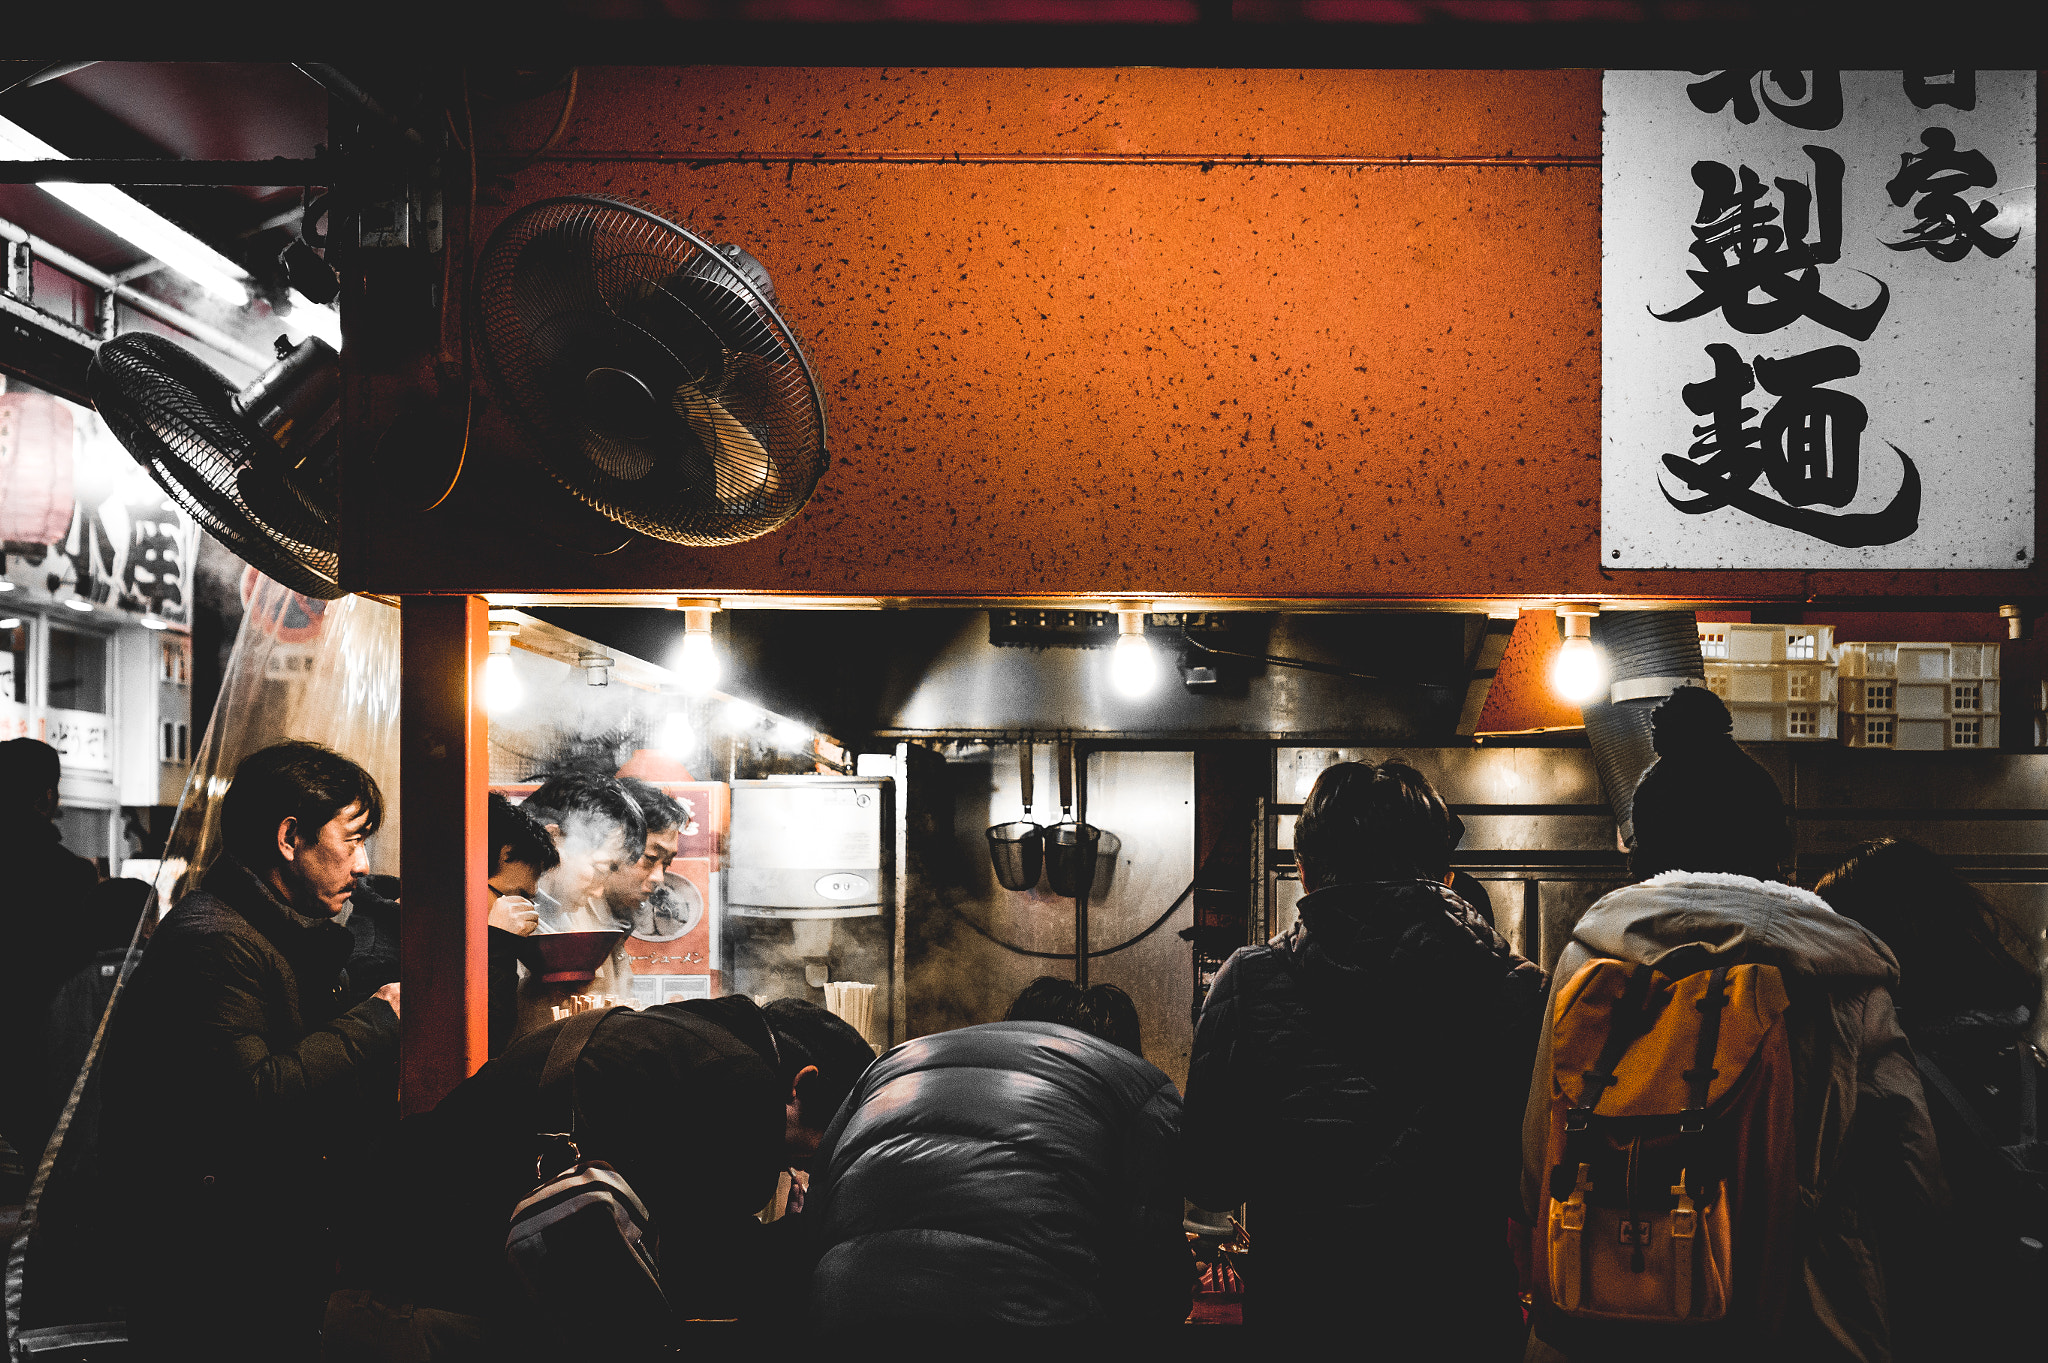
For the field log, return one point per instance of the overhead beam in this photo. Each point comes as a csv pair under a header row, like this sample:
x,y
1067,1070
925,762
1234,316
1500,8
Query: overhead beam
x,y
158,170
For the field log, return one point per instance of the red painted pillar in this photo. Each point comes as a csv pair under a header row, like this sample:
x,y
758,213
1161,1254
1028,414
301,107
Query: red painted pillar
x,y
444,769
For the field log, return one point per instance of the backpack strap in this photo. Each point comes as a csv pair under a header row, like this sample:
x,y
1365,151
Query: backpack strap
x,y
1624,1028
1966,1111
1701,1076
558,1080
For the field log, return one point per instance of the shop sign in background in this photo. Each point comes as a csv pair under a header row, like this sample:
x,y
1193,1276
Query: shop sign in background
x,y
81,520
1818,319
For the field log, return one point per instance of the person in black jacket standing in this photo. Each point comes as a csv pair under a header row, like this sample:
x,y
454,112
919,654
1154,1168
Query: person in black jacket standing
x,y
1014,1173
234,1083
1358,1083
45,932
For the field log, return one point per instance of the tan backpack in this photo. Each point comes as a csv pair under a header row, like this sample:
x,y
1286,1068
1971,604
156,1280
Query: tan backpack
x,y
1671,1184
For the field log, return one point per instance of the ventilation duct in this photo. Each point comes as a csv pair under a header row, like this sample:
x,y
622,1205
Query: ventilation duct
x,y
1650,654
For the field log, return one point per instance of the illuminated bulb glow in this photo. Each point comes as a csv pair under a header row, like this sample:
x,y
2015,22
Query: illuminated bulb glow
x,y
792,735
127,218
675,737
697,662
503,691
1579,672
151,622
1133,667
10,623
78,605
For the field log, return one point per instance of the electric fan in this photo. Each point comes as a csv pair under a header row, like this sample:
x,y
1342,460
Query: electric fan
x,y
256,468
649,370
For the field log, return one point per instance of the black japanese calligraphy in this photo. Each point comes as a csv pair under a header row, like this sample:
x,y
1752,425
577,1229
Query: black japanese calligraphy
x,y
1816,111
1957,89
153,572
1948,226
1743,247
1808,448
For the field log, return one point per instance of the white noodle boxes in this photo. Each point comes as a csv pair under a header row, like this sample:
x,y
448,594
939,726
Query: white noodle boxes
x,y
1919,697
1778,681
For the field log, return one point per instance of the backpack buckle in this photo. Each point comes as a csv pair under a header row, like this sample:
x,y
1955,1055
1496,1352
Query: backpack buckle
x,y
1575,1118
1692,1125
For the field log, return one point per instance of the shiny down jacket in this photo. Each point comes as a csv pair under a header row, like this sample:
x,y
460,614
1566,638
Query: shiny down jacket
x,y
1017,1173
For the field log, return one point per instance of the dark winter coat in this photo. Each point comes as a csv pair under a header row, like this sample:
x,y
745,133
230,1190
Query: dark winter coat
x,y
236,1092
44,937
1015,1173
373,922
1979,1288
1357,1084
1869,1175
685,1100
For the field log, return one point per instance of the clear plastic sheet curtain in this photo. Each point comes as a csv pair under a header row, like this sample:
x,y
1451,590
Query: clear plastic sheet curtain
x,y
321,671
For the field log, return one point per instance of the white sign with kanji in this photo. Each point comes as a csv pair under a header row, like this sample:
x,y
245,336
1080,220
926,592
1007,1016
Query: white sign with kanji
x,y
1818,320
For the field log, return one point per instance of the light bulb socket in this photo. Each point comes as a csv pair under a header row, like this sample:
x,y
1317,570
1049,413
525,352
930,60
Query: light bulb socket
x,y
596,668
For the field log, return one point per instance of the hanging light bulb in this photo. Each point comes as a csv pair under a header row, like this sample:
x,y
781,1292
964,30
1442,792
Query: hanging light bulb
x,y
502,688
675,736
792,735
695,662
1580,671
1133,667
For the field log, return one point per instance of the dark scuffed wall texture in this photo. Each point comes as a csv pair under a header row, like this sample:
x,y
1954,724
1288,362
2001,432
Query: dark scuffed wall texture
x,y
1075,339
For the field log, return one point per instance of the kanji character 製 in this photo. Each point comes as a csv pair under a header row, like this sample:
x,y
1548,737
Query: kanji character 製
x,y
1743,247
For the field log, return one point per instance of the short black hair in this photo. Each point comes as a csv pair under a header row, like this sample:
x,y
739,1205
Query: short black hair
x,y
806,1034
657,806
29,770
301,781
1102,1010
600,799
518,835
1956,953
1363,821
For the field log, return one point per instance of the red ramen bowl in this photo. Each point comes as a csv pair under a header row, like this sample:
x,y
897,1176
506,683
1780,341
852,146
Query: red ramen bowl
x,y
567,957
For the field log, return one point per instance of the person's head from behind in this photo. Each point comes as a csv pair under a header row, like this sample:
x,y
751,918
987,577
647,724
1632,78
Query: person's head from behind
x,y
1955,953
822,1059
628,888
29,772
522,850
297,815
1364,822
1101,1010
1704,804
595,824
114,908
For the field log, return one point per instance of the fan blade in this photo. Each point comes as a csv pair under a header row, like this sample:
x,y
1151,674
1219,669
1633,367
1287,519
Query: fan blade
x,y
742,466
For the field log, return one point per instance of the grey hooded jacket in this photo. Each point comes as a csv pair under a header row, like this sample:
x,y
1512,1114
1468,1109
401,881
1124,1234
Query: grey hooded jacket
x,y
1869,1174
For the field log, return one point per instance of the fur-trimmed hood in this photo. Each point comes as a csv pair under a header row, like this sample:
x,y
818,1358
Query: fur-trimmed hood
x,y
1716,914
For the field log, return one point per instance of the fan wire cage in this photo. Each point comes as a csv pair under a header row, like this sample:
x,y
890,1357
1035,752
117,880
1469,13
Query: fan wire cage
x,y
176,415
653,378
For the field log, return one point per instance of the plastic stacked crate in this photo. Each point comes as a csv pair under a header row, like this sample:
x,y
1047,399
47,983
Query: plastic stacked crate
x,y
1919,697
1778,681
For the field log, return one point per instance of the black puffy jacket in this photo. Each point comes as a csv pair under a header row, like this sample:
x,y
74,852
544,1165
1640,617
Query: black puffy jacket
x,y
1020,1173
1358,1084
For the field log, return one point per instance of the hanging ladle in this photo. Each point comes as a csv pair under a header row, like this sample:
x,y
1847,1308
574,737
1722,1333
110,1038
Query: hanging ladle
x,y
1070,847
1018,849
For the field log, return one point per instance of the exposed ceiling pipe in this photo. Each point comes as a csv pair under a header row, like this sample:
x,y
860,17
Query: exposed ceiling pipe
x,y
337,83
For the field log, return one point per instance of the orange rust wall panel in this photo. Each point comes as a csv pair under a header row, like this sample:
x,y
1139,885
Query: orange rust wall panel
x,y
774,112
1061,365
